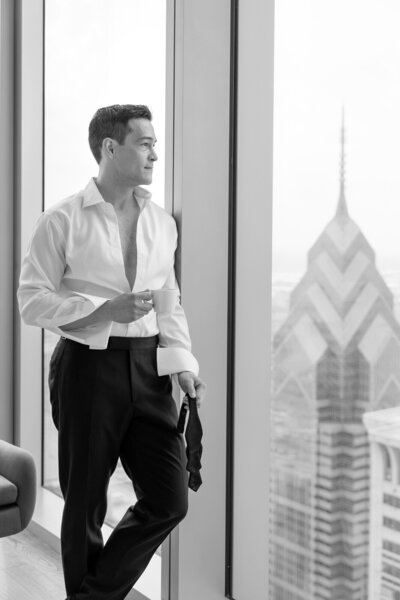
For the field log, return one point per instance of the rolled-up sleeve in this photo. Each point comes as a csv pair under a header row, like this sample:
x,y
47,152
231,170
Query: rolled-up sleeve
x,y
41,301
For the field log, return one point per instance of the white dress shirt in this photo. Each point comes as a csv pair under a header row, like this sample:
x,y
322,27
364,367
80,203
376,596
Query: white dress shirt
x,y
74,264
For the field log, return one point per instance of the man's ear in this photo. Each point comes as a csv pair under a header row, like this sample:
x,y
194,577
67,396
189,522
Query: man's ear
x,y
108,147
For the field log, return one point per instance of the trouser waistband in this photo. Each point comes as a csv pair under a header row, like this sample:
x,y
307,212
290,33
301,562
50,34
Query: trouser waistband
x,y
127,343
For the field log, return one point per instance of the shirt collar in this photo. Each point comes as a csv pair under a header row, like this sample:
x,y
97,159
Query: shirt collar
x,y
91,195
143,196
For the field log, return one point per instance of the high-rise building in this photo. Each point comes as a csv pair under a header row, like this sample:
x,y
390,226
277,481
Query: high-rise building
x,y
384,532
336,355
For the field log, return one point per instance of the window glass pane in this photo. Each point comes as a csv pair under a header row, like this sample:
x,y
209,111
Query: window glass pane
x,y
336,298
97,53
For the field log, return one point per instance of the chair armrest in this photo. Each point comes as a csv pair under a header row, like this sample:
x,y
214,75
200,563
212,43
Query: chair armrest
x,y
18,466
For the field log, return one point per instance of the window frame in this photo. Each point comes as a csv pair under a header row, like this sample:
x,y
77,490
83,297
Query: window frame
x,y
8,212
253,282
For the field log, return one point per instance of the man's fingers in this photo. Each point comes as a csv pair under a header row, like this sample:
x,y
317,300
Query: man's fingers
x,y
145,295
190,388
200,393
142,301
200,388
193,386
198,403
144,307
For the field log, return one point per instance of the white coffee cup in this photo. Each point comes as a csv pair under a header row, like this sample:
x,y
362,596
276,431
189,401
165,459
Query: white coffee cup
x,y
164,300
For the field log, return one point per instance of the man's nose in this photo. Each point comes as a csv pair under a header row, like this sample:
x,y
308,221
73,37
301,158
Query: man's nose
x,y
153,155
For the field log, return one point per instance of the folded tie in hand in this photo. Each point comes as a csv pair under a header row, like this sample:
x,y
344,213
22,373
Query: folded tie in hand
x,y
193,435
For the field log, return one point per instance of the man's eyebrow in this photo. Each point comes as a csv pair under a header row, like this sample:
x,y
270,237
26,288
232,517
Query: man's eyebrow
x,y
147,137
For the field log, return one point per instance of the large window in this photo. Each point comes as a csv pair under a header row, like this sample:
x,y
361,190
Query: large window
x,y
336,268
97,53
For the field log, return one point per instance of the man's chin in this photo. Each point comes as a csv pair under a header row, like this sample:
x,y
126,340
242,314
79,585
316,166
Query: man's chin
x,y
144,181
148,176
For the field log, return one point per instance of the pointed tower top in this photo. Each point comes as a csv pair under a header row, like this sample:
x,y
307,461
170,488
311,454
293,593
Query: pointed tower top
x,y
341,210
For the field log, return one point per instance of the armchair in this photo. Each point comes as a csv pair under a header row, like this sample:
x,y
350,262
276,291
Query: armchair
x,y
17,488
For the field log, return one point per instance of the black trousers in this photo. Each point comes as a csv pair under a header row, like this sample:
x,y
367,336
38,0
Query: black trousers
x,y
108,404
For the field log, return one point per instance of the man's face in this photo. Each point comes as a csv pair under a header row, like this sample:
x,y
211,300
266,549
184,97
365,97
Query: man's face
x,y
135,157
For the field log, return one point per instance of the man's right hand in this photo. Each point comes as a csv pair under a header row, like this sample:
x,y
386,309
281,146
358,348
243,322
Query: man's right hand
x,y
126,308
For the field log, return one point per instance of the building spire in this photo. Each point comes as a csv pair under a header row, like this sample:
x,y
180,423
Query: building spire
x,y
342,206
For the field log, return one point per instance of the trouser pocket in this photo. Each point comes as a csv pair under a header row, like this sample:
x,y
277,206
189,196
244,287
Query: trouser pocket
x,y
53,377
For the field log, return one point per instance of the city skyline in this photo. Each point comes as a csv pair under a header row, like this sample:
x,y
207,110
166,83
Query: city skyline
x,y
336,356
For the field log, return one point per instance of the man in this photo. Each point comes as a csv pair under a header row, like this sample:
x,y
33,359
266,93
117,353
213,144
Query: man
x,y
88,274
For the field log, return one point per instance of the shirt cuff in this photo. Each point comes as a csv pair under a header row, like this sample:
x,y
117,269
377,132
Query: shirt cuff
x,y
97,301
74,336
98,338
94,336
175,360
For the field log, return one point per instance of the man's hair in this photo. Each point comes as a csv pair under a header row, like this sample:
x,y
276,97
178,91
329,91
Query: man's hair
x,y
112,122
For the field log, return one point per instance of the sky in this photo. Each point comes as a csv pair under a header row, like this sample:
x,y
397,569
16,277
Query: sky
x,y
97,53
331,54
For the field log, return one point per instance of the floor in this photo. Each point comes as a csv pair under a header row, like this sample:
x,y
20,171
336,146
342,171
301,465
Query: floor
x,y
29,569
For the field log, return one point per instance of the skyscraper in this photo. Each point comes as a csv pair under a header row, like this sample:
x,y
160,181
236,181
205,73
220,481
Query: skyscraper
x,y
336,355
384,535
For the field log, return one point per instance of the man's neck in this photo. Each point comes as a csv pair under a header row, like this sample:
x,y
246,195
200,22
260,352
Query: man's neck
x,y
114,192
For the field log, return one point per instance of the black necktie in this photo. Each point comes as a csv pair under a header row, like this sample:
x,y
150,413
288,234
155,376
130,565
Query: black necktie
x,y
193,435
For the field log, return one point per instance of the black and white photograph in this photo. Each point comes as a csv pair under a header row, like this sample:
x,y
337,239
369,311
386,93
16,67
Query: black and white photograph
x,y
200,300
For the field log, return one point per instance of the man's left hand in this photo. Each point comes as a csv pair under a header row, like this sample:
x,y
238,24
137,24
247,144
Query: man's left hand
x,y
192,385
